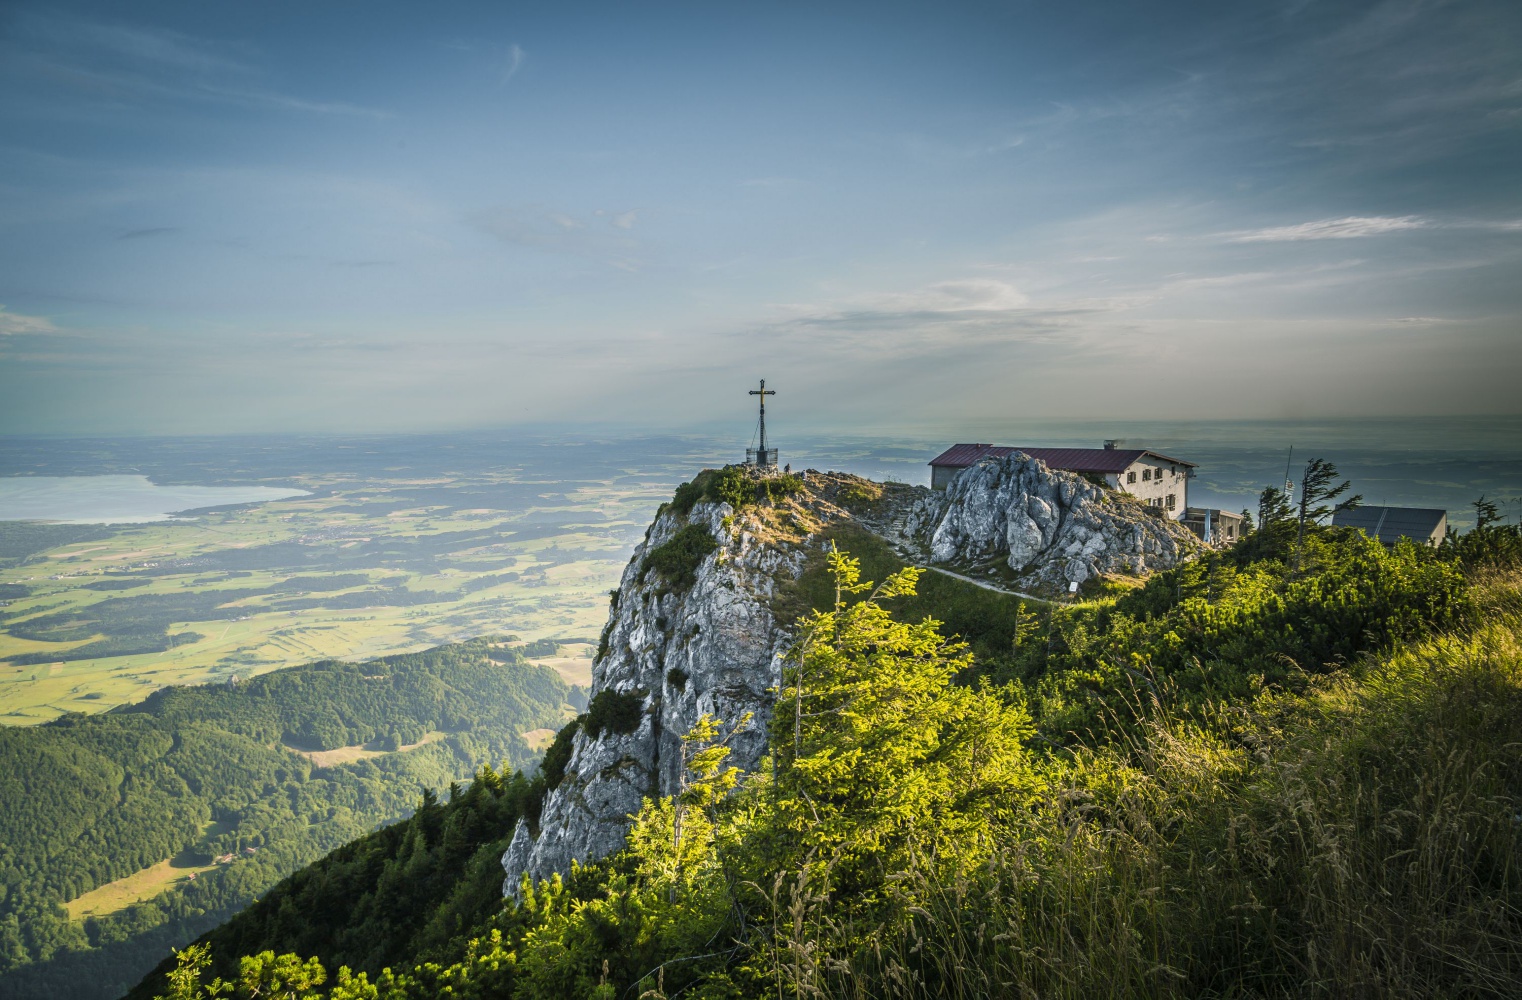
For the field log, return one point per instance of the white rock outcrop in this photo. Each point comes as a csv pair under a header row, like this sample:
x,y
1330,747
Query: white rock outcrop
x,y
712,648
1039,529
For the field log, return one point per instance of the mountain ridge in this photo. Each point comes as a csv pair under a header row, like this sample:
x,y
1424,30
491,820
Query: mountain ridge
x,y
704,637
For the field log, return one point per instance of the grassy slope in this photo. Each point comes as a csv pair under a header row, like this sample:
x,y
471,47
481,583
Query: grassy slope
x,y
1359,840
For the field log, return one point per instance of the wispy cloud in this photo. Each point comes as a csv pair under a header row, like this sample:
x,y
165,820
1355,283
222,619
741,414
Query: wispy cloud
x,y
115,62
141,234
143,46
512,62
968,295
943,319
14,324
285,102
1351,227
542,228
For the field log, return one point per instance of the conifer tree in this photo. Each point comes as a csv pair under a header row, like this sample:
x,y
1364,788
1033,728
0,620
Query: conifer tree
x,y
1273,508
1318,489
880,754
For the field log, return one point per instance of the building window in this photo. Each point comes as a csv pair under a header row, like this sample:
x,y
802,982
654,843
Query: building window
x,y
1172,502
1131,476
1146,475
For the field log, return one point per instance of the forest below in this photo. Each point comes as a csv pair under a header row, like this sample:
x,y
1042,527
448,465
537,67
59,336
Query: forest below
x,y
227,781
1291,768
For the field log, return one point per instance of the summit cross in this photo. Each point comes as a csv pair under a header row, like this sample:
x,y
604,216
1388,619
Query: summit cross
x,y
763,392
762,457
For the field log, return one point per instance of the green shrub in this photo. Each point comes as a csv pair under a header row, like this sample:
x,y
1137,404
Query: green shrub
x,y
781,486
732,486
603,639
615,711
552,768
735,485
689,494
1209,631
1487,545
678,559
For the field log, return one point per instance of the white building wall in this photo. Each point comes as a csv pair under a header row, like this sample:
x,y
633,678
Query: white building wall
x,y
1157,483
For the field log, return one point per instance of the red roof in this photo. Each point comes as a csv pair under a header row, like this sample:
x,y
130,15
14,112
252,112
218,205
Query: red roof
x,y
960,456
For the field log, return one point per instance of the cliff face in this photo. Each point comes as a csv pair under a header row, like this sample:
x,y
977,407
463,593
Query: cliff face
x,y
712,647
681,644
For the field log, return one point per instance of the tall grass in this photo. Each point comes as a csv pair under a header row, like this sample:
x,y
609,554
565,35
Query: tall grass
x,y
1362,841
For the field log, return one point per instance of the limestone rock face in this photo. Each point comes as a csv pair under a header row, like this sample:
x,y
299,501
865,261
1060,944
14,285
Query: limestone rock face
x,y
1037,528
716,648
712,648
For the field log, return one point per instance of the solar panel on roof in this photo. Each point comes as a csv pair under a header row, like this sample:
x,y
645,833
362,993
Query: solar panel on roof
x,y
1387,524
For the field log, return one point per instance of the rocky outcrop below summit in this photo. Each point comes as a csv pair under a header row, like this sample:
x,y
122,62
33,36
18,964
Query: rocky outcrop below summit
x,y
1022,524
692,629
679,652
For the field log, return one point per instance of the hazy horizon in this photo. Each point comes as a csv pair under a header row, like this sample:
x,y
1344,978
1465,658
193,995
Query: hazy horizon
x,y
928,218
1420,462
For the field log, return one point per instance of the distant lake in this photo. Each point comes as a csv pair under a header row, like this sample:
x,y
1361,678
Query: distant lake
x,y
118,499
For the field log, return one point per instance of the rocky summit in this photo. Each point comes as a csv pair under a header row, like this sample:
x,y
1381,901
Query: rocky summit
x,y
694,626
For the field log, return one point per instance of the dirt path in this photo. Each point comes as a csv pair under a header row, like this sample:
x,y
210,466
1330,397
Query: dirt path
x,y
985,585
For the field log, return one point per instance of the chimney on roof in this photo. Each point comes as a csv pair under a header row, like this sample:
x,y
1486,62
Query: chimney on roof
x,y
1113,443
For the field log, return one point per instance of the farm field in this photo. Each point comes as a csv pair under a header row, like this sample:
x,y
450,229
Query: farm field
x,y
113,897
350,754
384,562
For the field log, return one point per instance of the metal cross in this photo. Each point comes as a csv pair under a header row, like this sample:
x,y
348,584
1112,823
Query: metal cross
x,y
763,392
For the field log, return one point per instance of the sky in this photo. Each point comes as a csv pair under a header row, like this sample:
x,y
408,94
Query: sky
x,y
941,217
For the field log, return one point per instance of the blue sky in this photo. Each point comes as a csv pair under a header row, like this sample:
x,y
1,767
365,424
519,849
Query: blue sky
x,y
340,216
